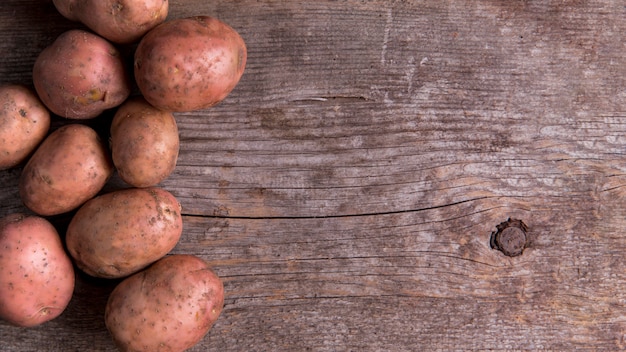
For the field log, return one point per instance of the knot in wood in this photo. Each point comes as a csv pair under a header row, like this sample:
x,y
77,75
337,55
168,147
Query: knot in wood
x,y
510,237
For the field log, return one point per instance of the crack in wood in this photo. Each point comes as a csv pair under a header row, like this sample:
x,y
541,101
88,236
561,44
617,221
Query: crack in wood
x,y
394,212
342,98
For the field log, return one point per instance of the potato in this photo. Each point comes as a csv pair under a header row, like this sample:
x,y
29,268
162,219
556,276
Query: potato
x,y
36,275
80,75
144,143
189,64
168,307
24,123
119,233
120,21
69,167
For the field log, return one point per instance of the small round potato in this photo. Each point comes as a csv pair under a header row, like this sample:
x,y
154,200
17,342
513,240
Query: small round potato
x,y
24,123
120,21
36,275
144,143
189,63
69,167
119,233
80,75
168,307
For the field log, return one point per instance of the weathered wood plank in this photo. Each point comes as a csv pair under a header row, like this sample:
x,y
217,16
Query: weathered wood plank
x,y
347,189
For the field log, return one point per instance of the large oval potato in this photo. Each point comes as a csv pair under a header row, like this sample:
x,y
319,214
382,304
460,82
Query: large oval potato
x,y
36,275
80,75
119,233
24,123
69,167
189,63
144,143
120,21
168,307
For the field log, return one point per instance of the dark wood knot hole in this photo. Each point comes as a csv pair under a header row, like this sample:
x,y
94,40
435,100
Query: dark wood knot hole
x,y
510,238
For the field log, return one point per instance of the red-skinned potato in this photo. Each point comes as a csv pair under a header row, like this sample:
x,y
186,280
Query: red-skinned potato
x,y
80,75
170,306
120,21
24,123
69,167
119,233
36,275
144,143
189,63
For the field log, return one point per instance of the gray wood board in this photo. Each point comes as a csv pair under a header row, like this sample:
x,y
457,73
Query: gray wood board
x,y
347,188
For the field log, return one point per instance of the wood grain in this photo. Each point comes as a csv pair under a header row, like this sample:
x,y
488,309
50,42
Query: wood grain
x,y
347,189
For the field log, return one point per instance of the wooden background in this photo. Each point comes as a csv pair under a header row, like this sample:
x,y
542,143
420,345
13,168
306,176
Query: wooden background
x,y
346,190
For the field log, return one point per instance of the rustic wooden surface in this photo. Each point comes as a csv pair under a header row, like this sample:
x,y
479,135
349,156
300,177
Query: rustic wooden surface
x,y
347,189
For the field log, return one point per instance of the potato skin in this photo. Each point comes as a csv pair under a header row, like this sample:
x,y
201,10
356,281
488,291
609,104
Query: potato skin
x,y
144,143
120,21
80,75
24,123
36,275
168,307
69,167
189,63
119,233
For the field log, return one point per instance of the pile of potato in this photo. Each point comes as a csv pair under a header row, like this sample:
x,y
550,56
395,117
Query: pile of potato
x,y
164,302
